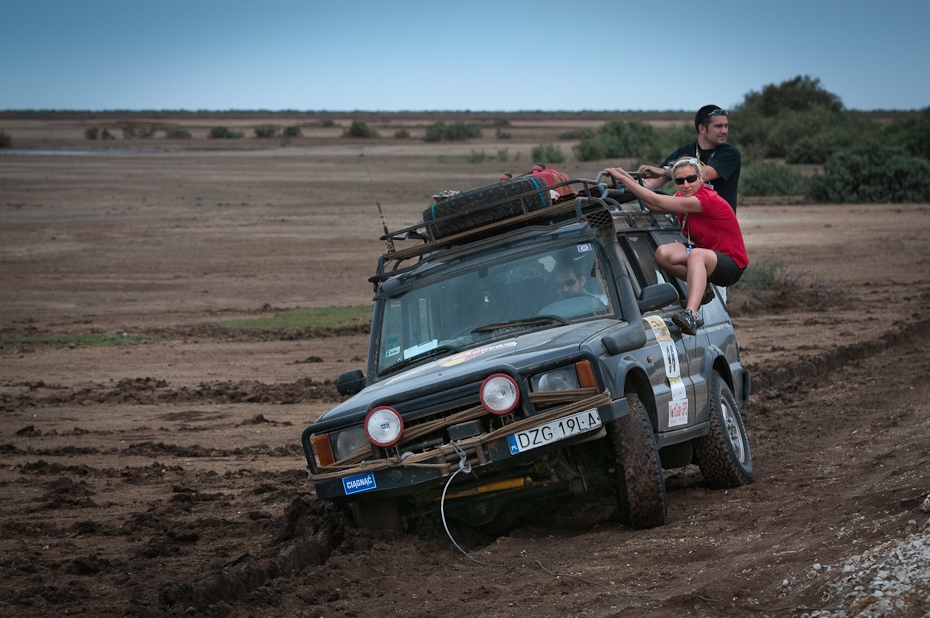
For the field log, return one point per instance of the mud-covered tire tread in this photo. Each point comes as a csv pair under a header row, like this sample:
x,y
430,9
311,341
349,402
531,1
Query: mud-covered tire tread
x,y
714,453
641,498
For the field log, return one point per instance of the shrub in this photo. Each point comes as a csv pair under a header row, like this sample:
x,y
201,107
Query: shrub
x,y
291,131
177,134
92,133
327,122
129,132
617,139
266,130
455,132
761,275
501,134
223,133
360,129
770,178
402,134
548,153
5,140
503,155
873,172
105,135
913,133
476,156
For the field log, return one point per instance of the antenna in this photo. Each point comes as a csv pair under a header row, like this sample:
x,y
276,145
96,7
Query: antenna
x,y
387,235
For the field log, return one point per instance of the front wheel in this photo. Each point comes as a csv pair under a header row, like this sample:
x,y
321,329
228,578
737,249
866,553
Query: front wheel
x,y
641,495
723,455
381,514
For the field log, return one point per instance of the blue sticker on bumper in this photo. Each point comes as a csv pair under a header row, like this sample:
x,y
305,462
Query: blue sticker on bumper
x,y
359,483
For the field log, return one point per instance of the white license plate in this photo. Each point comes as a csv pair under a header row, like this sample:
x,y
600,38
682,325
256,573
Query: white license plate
x,y
547,433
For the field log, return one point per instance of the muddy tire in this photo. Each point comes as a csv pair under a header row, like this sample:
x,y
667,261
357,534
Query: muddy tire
x,y
723,455
641,493
377,515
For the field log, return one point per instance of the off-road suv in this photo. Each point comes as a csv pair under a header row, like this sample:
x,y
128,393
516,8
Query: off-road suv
x,y
482,368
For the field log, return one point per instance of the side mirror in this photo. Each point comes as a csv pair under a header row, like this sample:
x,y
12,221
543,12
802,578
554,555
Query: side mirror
x,y
350,382
656,296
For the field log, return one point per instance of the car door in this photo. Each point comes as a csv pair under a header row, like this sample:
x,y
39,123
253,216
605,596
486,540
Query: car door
x,y
671,382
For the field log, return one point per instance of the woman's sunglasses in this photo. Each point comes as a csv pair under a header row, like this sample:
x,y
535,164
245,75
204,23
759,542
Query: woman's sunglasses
x,y
690,179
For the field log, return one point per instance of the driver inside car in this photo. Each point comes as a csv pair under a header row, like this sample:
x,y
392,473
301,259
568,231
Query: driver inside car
x,y
570,281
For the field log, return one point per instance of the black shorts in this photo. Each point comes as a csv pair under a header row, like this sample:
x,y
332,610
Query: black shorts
x,y
726,272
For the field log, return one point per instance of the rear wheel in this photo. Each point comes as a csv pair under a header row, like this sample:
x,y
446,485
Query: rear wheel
x,y
723,455
641,493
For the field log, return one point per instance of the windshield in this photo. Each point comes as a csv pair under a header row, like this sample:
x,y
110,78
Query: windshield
x,y
546,288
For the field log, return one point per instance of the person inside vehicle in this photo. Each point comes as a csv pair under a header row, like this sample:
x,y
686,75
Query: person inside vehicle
x,y
569,281
721,161
714,252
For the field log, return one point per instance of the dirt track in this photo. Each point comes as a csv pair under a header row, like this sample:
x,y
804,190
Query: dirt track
x,y
166,478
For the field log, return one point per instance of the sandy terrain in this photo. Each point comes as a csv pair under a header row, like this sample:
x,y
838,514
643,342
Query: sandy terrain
x,y
166,478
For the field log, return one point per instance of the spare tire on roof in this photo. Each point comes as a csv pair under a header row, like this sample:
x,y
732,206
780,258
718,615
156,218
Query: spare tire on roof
x,y
485,205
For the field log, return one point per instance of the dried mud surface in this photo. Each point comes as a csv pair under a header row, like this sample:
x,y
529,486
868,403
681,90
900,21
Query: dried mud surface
x,y
165,478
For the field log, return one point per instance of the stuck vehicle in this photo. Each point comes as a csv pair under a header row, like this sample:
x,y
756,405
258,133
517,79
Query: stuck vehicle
x,y
522,346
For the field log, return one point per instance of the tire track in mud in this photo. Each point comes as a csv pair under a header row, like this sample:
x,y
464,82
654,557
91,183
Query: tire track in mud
x,y
148,391
796,375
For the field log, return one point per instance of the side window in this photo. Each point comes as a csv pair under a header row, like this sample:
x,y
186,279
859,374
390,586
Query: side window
x,y
644,253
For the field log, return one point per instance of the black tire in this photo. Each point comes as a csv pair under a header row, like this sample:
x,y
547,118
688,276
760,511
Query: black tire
x,y
641,493
723,455
377,515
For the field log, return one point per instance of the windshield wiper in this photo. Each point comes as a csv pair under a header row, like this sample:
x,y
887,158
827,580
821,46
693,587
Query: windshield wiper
x,y
413,360
538,320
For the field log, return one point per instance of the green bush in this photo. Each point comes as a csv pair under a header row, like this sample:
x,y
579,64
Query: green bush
x,y
618,139
503,155
178,134
266,130
105,135
770,178
92,133
361,130
327,122
292,131
912,132
548,153
873,172
455,132
761,275
402,134
5,140
223,133
476,156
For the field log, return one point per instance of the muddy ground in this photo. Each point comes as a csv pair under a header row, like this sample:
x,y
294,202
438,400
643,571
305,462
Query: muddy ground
x,y
165,477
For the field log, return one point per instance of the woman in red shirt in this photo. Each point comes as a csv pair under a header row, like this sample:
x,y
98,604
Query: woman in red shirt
x,y
715,251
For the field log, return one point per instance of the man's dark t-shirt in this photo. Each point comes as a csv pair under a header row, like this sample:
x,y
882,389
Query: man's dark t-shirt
x,y
724,159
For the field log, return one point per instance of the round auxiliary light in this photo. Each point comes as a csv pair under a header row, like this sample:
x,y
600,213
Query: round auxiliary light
x,y
499,393
383,426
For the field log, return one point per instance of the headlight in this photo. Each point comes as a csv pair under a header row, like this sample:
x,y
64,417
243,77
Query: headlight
x,y
384,426
562,379
347,441
499,393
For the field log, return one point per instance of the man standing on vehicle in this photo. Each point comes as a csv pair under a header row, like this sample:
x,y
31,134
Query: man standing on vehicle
x,y
721,160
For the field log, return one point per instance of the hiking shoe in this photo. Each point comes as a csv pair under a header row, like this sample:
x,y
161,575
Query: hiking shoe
x,y
687,321
708,295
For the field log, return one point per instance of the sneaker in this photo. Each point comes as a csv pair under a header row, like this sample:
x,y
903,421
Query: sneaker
x,y
708,295
687,321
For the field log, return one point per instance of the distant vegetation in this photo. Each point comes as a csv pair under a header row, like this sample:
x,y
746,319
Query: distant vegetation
x,y
855,158
224,133
360,129
548,154
266,130
454,132
5,140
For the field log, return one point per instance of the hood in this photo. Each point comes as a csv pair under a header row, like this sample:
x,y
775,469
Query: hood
x,y
472,364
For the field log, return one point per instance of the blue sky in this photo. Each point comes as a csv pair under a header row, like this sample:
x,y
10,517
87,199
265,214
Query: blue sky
x,y
465,55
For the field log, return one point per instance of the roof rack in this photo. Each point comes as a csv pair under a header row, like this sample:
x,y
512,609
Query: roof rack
x,y
590,201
